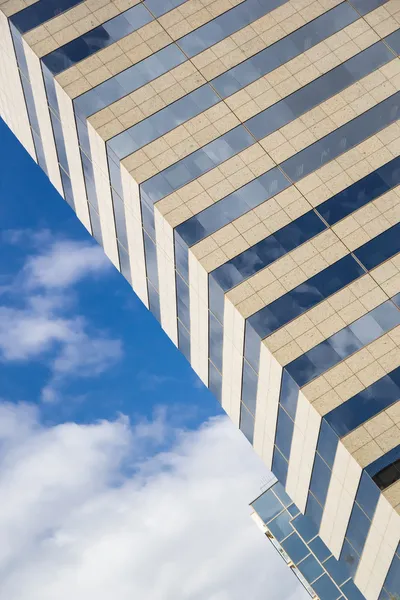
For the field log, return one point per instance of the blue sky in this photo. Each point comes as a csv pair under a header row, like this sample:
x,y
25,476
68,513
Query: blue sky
x,y
150,367
119,474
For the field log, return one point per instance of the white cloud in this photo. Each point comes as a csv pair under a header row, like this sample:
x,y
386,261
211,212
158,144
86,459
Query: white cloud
x,y
37,318
65,263
75,524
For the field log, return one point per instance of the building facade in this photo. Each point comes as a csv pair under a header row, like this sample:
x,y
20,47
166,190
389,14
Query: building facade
x,y
239,162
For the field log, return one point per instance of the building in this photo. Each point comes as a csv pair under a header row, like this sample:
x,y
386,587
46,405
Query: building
x,y
239,162
295,537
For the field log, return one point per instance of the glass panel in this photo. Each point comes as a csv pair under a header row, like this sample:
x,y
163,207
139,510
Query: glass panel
x,y
364,405
295,548
320,550
326,589
339,141
310,568
267,506
280,527
246,423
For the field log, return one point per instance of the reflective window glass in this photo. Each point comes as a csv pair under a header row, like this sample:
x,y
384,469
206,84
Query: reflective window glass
x,y
349,558
352,592
284,433
393,40
267,506
384,461
233,206
279,491
154,301
295,547
367,495
183,302
327,443
268,250
280,527
124,262
310,568
40,12
305,296
289,394
279,466
282,51
342,139
322,88
246,423
380,248
126,82
326,589
100,37
252,346
305,527
196,164
216,336
336,570
183,340
215,386
320,550
249,387
160,7
320,479
365,405
357,529
361,192
314,510
163,121
224,25
392,582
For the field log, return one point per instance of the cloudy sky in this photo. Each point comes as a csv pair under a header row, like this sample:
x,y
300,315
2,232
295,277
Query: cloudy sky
x,y
119,475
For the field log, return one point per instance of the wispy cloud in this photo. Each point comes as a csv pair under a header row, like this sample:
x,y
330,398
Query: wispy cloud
x,y
37,321
64,264
74,524
149,381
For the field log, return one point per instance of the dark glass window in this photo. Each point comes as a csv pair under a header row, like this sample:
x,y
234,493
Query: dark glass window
x,y
40,12
357,529
271,248
327,443
295,547
305,296
282,51
342,139
233,206
246,423
279,466
305,527
349,558
320,479
310,568
325,588
280,527
224,25
320,550
249,388
367,495
284,433
267,506
96,39
318,90
215,386
365,405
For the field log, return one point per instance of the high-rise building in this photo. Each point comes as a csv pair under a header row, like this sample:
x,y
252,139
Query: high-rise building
x,y
239,162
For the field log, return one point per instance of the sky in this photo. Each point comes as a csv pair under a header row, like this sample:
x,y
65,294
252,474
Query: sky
x,y
119,473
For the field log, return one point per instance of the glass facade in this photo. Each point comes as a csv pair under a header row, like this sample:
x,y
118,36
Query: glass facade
x,y
296,538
